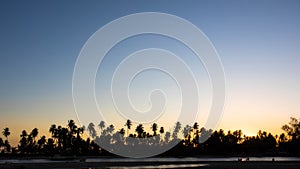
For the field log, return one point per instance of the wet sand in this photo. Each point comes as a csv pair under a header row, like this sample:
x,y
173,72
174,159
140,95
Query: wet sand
x,y
207,165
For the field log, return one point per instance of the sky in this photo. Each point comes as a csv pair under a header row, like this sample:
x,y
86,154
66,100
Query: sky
x,y
257,42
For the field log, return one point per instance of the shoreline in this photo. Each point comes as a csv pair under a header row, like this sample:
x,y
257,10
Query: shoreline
x,y
108,164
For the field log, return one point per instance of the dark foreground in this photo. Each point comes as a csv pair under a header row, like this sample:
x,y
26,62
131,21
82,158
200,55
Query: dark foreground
x,y
202,164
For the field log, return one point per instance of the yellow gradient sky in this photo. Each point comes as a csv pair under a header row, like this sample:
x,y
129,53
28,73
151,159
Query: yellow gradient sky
x,y
257,41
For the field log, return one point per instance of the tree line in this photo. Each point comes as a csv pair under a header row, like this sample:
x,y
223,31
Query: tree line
x,y
190,140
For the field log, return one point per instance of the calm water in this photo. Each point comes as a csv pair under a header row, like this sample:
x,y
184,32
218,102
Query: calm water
x,y
161,166
188,159
177,166
191,159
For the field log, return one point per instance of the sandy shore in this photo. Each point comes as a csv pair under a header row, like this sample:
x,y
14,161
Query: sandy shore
x,y
208,165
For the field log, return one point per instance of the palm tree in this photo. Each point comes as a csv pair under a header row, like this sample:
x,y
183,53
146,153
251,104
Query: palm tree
x,y
79,131
63,137
238,135
7,145
50,146
186,130
176,130
154,128
195,128
1,142
111,129
23,146
41,142
72,126
34,133
24,133
52,130
128,124
122,131
167,137
282,138
162,130
205,134
6,132
177,127
101,125
91,130
140,130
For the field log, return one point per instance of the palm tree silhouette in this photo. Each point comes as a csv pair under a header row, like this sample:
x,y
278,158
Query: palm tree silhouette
x,y
79,131
23,146
122,131
66,140
128,124
53,131
154,128
41,143
6,132
140,130
34,133
167,137
24,133
195,126
7,145
176,130
111,129
101,125
187,134
91,130
1,142
195,131
162,130
71,125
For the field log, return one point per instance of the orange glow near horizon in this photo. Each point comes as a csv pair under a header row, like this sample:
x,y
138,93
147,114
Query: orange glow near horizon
x,y
248,129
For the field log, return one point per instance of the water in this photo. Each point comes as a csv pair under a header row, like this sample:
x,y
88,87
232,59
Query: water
x,y
178,160
161,166
188,162
187,159
190,159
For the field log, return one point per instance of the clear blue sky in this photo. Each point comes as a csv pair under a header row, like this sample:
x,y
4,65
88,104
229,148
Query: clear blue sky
x,y
258,43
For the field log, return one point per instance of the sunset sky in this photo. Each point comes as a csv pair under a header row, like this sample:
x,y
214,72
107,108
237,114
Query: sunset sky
x,y
258,43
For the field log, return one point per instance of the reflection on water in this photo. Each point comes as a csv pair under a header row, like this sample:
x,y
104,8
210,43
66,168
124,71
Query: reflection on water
x,y
161,166
187,159
190,159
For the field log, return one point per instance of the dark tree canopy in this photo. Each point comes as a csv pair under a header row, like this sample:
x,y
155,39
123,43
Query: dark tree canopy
x,y
192,140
